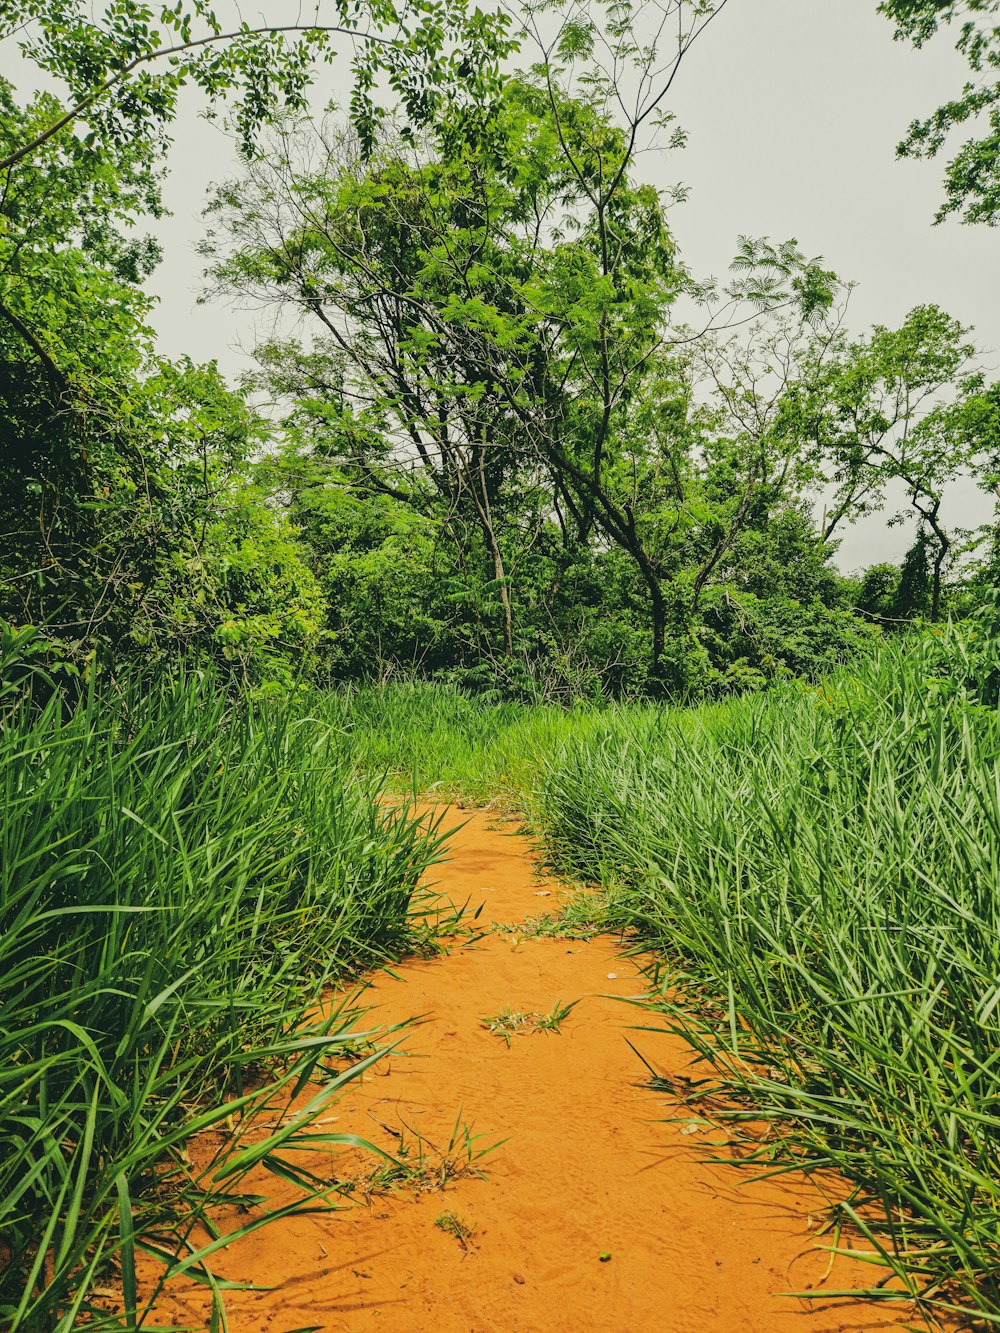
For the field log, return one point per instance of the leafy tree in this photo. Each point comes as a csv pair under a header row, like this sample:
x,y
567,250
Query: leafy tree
x,y
896,407
877,595
124,65
449,313
127,509
72,338
757,466
157,543
495,309
972,177
79,387
913,596
492,340
387,578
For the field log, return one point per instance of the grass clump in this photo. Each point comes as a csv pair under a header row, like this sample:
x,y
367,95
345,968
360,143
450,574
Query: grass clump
x,y
512,1022
453,1225
181,878
581,917
820,869
418,1165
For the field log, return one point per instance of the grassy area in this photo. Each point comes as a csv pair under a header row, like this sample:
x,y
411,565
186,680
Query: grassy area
x,y
820,872
444,745
181,879
816,868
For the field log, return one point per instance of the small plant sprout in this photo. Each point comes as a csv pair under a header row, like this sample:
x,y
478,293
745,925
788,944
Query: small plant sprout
x,y
453,1225
421,1166
509,1022
554,1019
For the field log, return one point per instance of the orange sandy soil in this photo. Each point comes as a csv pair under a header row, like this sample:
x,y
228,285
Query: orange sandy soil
x,y
591,1165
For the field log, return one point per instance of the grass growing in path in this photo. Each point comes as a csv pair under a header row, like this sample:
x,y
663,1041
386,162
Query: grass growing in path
x,y
821,872
512,1022
580,917
419,1165
453,1225
181,879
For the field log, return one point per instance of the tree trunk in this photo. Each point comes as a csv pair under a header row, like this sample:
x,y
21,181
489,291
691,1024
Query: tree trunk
x,y
939,559
659,619
486,522
508,616
657,606
943,547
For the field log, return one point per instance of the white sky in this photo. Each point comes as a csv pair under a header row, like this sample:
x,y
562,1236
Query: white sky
x,y
793,110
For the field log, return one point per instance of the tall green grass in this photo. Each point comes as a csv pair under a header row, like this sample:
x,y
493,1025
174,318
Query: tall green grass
x,y
181,877
447,745
820,871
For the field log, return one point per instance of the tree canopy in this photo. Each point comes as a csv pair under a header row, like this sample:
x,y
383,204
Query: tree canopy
x,y
500,432
972,176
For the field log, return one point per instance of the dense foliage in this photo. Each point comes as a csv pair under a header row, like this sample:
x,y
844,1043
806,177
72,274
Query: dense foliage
x,y
132,526
181,880
496,453
501,439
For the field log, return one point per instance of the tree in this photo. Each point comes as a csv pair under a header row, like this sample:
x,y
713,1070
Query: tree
x,y
453,320
748,376
479,329
135,530
493,342
890,408
129,521
914,596
123,69
877,593
79,387
124,66
72,337
972,177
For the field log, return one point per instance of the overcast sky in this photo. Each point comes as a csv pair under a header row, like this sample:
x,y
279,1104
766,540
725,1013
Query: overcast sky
x,y
793,109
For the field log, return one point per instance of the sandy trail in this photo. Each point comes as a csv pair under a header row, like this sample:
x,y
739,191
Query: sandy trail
x,y
591,1164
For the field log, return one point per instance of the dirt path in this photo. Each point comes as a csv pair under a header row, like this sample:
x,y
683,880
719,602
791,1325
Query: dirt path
x,y
591,1165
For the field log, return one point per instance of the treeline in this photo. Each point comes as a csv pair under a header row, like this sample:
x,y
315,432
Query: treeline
x,y
503,437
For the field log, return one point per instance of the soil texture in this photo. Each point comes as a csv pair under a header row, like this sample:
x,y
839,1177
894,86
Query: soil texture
x,y
598,1213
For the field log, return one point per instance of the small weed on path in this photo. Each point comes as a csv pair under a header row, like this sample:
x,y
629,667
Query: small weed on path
x,y
553,1020
419,1166
581,917
452,1225
509,1022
